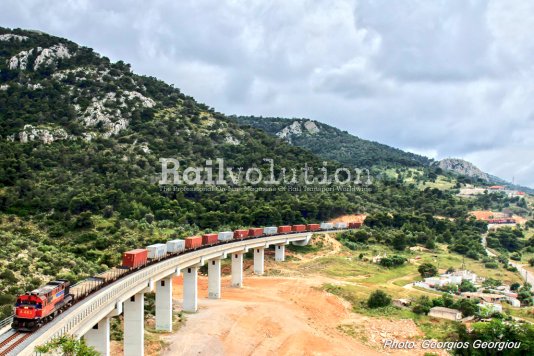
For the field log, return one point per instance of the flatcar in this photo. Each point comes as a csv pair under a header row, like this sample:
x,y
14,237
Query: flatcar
x,y
41,305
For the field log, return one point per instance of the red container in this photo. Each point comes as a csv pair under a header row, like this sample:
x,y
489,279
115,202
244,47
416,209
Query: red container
x,y
193,242
134,258
355,225
240,234
210,239
313,227
254,232
298,228
284,229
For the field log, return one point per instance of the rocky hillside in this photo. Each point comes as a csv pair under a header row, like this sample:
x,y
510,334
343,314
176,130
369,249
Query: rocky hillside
x,y
81,139
333,144
462,167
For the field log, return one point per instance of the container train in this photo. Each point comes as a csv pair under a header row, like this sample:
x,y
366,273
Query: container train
x,y
39,306
159,251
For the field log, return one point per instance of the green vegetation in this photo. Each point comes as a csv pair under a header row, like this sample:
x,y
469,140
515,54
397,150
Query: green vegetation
x,y
67,346
378,299
349,150
506,238
427,270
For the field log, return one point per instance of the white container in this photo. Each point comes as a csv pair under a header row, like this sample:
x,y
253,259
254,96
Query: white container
x,y
175,246
340,225
226,235
156,251
270,230
327,226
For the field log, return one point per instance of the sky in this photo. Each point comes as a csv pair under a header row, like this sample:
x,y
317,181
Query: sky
x,y
449,78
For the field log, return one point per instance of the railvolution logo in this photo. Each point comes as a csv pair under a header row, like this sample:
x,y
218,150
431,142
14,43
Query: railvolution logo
x,y
216,174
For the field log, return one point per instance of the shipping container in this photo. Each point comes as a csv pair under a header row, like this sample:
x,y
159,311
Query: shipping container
x,y
284,229
240,234
193,242
226,235
175,246
134,258
255,232
298,228
327,226
270,230
157,251
340,225
210,239
313,227
355,225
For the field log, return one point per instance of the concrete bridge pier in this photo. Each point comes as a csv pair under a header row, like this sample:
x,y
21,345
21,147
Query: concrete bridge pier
x,y
190,303
280,252
164,304
134,325
214,278
237,269
98,337
259,260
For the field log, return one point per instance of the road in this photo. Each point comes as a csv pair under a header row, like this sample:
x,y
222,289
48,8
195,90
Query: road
x,y
526,275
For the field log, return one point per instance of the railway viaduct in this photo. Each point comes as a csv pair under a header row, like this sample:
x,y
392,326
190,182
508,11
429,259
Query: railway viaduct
x,y
90,318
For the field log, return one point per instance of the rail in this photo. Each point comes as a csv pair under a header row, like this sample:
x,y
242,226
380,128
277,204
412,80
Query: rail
x,y
97,304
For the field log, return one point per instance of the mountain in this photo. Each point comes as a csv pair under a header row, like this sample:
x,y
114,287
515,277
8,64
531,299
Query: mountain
x,y
462,167
333,144
81,142
468,169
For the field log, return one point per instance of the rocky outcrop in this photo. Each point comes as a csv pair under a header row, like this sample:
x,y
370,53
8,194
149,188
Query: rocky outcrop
x,y
231,140
20,61
462,167
45,57
45,135
11,36
50,55
298,128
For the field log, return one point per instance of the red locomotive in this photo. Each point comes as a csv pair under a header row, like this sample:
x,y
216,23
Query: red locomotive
x,y
41,305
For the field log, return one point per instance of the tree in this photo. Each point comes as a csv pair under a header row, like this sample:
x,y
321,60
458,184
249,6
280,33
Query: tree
x,y
467,286
422,305
427,270
531,262
399,242
67,346
378,299
468,307
515,286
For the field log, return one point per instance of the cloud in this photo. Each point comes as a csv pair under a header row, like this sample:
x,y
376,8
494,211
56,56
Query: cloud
x,y
451,78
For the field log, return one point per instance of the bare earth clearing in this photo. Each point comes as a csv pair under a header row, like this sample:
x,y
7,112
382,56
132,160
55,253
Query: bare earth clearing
x,y
282,316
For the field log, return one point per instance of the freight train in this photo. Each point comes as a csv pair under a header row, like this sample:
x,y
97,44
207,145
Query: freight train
x,y
37,307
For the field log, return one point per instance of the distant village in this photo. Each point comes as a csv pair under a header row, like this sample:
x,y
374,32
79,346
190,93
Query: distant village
x,y
491,298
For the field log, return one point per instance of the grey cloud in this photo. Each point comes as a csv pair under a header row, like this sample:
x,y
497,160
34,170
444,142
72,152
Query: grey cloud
x,y
451,78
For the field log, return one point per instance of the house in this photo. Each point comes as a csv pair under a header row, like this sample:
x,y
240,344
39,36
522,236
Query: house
x,y
445,313
496,187
402,303
513,302
452,278
490,308
486,297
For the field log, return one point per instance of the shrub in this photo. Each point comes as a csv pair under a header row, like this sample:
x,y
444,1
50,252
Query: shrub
x,y
378,299
427,270
491,265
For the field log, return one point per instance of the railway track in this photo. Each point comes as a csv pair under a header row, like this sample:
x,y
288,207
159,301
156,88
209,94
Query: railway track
x,y
10,342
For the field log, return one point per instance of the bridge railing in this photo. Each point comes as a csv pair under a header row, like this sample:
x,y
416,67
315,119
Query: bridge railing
x,y
72,320
7,321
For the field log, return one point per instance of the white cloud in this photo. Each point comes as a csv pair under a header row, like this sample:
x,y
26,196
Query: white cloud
x,y
450,78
